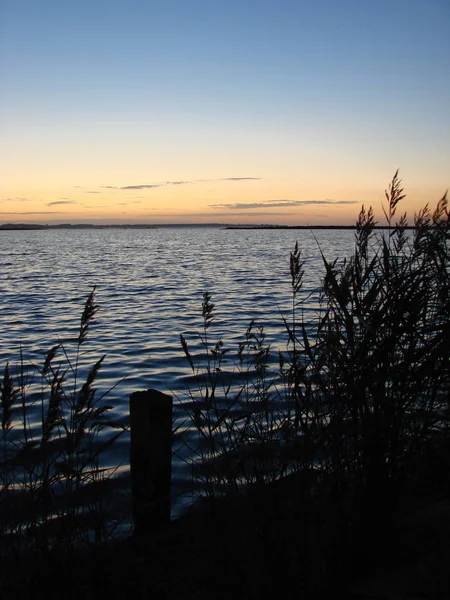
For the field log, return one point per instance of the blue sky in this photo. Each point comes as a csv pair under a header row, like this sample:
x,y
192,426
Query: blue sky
x,y
249,102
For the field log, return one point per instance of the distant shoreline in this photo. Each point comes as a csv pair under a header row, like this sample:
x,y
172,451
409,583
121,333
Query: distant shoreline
x,y
309,227
34,227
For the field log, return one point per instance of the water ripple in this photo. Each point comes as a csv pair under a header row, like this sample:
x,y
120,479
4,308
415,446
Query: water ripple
x,y
149,284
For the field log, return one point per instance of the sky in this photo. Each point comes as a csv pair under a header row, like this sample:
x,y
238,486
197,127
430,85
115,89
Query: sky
x,y
221,111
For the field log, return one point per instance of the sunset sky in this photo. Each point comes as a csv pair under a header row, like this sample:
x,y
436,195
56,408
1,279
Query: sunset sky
x,y
228,111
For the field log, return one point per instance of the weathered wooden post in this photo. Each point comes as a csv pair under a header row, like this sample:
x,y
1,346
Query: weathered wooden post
x,y
150,458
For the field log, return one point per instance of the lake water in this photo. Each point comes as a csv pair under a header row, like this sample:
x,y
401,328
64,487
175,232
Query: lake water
x,y
149,288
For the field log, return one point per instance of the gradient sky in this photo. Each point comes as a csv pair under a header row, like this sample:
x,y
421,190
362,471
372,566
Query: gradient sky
x,y
231,111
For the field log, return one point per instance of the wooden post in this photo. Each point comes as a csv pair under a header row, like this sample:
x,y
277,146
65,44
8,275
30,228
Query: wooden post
x,y
150,458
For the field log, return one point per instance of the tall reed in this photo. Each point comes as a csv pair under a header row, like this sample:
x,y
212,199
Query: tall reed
x,y
361,391
52,486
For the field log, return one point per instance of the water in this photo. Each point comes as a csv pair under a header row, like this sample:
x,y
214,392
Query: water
x,y
149,287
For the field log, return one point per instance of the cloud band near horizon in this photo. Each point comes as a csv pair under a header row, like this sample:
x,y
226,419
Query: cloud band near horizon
x,y
278,204
56,202
149,186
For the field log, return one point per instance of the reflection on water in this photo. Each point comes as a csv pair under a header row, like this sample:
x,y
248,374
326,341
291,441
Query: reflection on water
x,y
149,288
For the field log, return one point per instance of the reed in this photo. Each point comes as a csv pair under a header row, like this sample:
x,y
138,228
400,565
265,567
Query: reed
x,y
359,399
53,490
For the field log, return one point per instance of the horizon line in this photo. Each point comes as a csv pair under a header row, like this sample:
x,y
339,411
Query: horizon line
x,y
40,226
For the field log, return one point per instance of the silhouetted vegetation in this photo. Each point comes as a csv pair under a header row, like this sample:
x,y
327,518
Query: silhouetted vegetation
x,y
53,492
356,414
304,458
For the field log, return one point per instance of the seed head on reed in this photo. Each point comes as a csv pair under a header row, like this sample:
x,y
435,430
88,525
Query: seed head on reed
x,y
364,229
49,359
394,194
90,309
86,394
187,352
207,310
296,269
399,234
53,417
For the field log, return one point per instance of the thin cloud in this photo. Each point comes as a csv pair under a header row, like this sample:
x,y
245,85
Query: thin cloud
x,y
133,187
278,204
239,179
149,186
61,202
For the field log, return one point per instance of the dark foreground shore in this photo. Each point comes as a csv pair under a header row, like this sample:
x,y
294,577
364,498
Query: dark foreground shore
x,y
268,542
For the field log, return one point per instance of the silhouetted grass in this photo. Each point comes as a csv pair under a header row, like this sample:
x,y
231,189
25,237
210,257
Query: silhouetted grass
x,y
359,402
53,491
